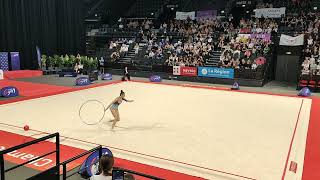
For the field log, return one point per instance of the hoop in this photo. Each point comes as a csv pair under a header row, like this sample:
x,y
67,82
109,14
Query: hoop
x,y
92,112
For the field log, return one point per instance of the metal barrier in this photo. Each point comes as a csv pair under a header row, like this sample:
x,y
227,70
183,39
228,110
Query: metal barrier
x,y
99,148
56,170
64,164
57,151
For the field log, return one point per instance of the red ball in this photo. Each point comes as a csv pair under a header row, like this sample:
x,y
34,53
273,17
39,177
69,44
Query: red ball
x,y
26,127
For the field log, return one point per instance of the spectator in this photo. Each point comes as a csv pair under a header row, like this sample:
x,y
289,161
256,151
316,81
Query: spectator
x,y
136,48
106,164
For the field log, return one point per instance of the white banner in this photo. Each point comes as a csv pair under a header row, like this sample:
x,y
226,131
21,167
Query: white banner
x,y
286,40
176,70
185,15
270,12
1,74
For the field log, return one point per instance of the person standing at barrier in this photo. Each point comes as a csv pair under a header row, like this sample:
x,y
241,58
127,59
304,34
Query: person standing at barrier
x,y
101,65
114,108
106,165
126,74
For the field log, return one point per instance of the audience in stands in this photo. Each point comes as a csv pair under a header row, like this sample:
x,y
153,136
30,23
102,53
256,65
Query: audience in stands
x,y
310,27
242,53
120,48
143,24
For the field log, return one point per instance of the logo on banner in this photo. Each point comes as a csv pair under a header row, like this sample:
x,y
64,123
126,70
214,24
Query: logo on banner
x,y
184,71
155,78
90,166
188,71
106,76
9,91
82,81
204,71
176,70
216,72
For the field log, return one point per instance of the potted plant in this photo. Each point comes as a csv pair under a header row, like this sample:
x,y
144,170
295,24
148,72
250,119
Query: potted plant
x,y
85,62
50,62
43,62
72,61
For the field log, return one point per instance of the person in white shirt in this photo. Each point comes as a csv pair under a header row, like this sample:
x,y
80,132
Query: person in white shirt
x,y
312,60
106,164
310,40
318,69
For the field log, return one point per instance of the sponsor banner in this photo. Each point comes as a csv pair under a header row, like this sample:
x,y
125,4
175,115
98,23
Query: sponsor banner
x,y
216,72
184,71
15,61
9,91
82,81
245,30
244,2
155,78
270,12
208,14
263,36
185,15
286,40
188,71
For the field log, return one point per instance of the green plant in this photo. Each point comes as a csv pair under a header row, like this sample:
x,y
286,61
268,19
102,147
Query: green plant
x,y
50,61
72,60
44,61
57,61
85,62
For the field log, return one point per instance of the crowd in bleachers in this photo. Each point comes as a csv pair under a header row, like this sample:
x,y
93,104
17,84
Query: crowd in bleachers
x,y
244,54
311,63
200,42
120,47
311,53
292,6
140,24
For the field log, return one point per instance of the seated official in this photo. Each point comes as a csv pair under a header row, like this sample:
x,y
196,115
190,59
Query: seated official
x,y
78,67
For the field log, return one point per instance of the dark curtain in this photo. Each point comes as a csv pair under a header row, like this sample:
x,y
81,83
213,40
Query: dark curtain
x,y
287,68
55,26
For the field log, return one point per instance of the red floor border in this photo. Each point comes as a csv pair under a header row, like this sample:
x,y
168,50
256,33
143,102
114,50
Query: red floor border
x,y
133,152
312,152
57,93
291,142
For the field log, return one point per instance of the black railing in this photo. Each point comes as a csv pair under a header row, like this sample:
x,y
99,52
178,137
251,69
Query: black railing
x,y
56,170
99,149
64,164
57,151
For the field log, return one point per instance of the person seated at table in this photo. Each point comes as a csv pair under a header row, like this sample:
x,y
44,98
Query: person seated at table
x,y
78,67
